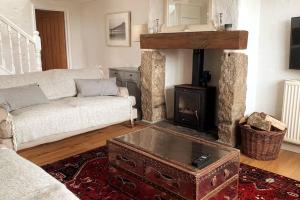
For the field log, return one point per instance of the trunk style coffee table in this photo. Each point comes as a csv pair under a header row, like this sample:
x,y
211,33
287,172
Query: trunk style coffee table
x,y
159,164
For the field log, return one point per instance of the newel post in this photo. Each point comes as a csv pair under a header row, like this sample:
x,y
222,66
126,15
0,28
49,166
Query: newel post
x,y
38,49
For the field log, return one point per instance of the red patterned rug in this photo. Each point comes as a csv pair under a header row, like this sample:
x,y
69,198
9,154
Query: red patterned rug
x,y
86,176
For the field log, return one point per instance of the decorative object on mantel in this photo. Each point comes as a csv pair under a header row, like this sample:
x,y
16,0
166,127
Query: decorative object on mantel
x,y
262,136
118,29
156,26
228,27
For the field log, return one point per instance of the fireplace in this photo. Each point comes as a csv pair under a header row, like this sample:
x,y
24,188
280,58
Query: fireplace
x,y
194,101
194,107
195,104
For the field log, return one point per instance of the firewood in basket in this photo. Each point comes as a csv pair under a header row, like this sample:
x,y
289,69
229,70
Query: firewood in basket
x,y
276,123
258,121
243,120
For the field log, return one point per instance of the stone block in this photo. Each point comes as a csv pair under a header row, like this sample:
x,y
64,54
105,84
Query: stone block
x,y
153,86
232,94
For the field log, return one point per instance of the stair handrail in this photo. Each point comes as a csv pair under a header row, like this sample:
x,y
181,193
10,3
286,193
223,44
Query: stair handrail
x,y
16,28
35,40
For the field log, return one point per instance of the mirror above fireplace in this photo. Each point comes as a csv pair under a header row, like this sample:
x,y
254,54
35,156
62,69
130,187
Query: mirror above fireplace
x,y
183,15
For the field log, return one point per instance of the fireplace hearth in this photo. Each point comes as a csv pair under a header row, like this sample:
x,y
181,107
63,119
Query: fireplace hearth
x,y
194,107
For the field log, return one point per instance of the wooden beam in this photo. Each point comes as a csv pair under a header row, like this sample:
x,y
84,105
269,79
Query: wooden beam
x,y
196,40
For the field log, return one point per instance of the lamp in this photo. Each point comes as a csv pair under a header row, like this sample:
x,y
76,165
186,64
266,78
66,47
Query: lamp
x,y
137,31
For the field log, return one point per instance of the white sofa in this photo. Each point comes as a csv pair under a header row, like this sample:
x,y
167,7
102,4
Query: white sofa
x,y
21,179
66,115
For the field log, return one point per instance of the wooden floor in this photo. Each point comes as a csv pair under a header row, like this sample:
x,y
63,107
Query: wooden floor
x,y
288,163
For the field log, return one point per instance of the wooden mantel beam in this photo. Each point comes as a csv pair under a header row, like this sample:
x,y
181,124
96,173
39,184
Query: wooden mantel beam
x,y
196,40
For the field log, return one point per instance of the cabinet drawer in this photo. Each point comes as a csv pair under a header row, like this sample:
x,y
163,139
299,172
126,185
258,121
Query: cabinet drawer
x,y
217,177
229,192
129,76
170,178
114,73
135,187
151,193
125,159
124,182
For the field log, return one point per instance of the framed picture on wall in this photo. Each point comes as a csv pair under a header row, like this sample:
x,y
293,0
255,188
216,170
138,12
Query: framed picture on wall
x,y
118,29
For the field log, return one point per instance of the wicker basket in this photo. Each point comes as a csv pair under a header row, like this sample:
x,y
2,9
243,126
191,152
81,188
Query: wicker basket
x,y
261,145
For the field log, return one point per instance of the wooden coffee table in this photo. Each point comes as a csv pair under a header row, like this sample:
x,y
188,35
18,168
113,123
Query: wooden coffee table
x,y
164,162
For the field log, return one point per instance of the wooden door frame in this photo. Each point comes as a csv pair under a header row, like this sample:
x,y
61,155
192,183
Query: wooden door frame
x,y
67,28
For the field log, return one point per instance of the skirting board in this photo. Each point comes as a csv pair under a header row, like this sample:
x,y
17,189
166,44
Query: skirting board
x,y
290,147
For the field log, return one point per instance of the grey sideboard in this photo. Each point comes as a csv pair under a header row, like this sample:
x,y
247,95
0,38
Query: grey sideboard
x,y
129,77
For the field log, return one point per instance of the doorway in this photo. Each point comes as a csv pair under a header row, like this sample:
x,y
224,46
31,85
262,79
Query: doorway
x,y
52,28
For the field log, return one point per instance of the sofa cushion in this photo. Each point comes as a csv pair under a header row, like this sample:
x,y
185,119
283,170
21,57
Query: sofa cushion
x,y
56,84
23,96
21,179
96,87
69,114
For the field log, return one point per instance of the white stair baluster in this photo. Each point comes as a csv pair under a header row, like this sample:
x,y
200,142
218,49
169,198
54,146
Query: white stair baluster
x,y
28,54
20,54
1,51
13,69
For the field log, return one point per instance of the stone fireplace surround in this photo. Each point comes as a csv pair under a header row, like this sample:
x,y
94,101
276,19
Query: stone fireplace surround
x,y
232,91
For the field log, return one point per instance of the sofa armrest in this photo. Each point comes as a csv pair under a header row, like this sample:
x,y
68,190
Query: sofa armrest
x,y
2,146
3,114
5,124
123,92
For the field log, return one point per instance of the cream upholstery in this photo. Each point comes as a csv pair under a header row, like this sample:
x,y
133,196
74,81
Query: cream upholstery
x,y
21,179
65,114
68,114
5,124
55,84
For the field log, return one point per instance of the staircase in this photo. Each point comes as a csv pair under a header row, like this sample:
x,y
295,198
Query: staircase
x,y
19,52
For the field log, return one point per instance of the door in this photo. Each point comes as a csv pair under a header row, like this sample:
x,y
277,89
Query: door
x,y
51,25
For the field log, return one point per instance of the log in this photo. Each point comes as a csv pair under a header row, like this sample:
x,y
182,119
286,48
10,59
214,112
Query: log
x,y
243,120
257,120
276,123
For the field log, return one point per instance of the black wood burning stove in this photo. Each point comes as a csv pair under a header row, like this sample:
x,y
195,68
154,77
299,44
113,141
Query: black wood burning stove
x,y
195,104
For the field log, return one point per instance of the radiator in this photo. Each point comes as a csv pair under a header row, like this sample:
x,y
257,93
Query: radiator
x,y
291,111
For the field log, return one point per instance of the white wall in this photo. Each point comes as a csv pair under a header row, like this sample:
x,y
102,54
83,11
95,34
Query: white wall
x,y
19,12
93,21
249,19
273,60
74,32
